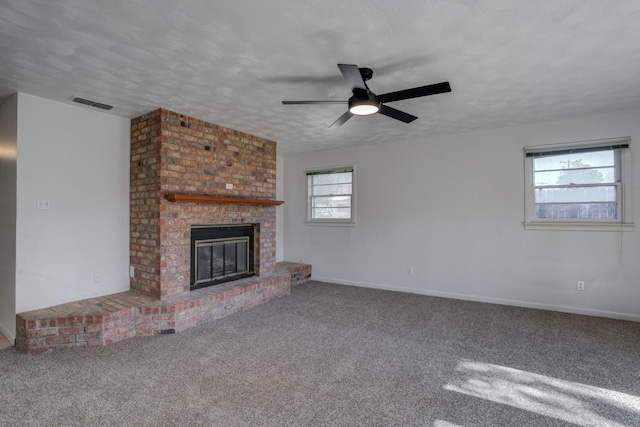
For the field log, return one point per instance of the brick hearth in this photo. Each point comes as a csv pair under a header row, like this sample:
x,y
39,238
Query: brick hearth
x,y
106,320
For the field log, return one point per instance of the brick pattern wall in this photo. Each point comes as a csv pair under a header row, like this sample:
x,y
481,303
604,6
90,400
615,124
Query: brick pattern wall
x,y
42,335
299,273
200,310
63,333
106,320
144,190
246,161
199,158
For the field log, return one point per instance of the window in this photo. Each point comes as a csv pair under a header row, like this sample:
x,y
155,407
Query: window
x,y
330,195
579,185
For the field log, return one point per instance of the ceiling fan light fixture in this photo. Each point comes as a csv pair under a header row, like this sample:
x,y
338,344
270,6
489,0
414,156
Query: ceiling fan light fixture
x,y
366,103
363,107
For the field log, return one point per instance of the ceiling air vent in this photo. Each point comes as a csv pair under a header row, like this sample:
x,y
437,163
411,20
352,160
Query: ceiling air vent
x,y
91,103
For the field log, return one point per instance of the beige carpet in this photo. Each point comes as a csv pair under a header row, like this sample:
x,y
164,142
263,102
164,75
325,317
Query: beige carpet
x,y
339,355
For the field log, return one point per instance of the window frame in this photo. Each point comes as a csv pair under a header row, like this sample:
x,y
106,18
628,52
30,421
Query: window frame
x,y
622,158
348,222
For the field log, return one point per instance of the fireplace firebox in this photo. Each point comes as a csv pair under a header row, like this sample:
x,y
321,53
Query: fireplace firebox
x,y
221,253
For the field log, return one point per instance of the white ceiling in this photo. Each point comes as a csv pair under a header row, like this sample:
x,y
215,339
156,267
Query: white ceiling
x,y
232,62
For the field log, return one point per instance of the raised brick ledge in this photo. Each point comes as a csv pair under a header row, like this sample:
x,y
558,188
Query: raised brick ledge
x,y
300,273
111,318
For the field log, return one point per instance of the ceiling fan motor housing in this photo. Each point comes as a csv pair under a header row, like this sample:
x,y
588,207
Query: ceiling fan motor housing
x,y
366,73
363,103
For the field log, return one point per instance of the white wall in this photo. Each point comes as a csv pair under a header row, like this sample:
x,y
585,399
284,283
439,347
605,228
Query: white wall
x,y
452,208
78,158
279,209
8,176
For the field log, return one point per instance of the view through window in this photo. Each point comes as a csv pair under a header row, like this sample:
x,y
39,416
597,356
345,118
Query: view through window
x,y
576,184
330,195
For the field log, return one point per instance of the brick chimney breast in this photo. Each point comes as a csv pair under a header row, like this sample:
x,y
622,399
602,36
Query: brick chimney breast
x,y
174,153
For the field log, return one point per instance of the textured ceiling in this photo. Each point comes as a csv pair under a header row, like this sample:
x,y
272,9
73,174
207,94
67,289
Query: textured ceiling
x,y
232,62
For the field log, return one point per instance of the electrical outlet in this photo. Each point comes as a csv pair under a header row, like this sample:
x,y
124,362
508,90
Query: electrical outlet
x,y
132,271
410,271
97,277
580,285
43,204
229,186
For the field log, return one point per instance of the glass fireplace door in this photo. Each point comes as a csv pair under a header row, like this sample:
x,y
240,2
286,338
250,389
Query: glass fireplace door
x,y
221,258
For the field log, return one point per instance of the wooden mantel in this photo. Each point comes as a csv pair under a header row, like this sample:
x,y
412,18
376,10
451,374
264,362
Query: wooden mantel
x,y
200,198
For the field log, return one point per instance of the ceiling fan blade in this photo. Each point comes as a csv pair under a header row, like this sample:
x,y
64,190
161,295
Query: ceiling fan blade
x,y
342,119
396,114
351,74
415,92
313,102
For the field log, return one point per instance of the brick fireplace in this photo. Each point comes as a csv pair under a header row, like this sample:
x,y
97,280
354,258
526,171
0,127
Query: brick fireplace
x,y
181,168
176,154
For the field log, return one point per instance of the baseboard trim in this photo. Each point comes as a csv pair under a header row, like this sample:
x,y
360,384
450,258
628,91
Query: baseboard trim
x,y
490,300
11,336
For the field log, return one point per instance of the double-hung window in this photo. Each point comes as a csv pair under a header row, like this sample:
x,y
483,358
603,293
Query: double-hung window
x,y
577,185
330,195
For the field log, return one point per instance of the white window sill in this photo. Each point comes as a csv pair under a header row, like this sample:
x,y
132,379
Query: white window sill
x,y
332,223
578,226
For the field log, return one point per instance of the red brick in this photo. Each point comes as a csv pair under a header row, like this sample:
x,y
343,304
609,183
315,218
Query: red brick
x,y
35,333
35,342
154,326
93,328
143,318
46,323
70,321
71,330
89,336
60,339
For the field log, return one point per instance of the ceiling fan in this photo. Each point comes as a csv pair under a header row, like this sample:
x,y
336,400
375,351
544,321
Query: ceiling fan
x,y
364,102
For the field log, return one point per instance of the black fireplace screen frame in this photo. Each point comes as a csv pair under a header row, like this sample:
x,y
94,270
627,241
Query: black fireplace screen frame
x,y
215,232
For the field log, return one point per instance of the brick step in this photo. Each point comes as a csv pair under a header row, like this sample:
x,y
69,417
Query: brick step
x,y
111,318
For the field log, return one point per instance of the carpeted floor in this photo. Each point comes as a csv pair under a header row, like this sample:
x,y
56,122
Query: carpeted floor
x,y
340,355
